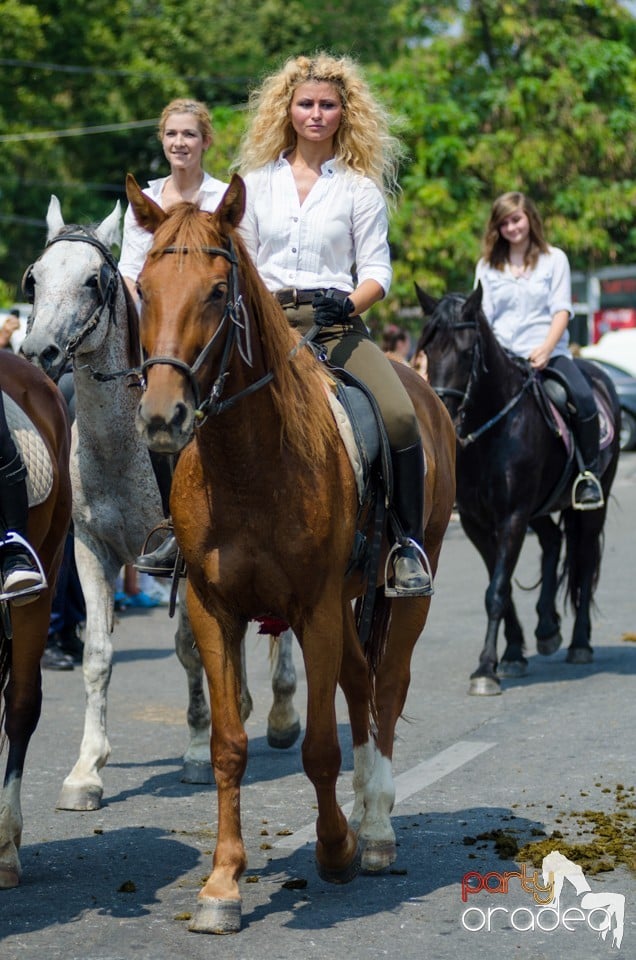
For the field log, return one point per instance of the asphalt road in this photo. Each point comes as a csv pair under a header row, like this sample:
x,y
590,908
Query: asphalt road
x,y
555,749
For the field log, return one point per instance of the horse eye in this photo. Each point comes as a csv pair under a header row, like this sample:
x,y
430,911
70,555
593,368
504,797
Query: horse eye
x,y
217,293
139,291
92,281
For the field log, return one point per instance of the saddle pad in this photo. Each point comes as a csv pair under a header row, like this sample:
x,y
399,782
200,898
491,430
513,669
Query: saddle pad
x,y
33,451
605,422
346,433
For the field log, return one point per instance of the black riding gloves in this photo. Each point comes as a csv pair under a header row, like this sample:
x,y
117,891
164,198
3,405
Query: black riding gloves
x,y
331,308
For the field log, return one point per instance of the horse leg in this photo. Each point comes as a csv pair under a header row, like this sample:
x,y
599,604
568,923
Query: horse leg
x,y
337,850
373,774
218,907
548,630
500,554
196,760
23,703
283,722
83,787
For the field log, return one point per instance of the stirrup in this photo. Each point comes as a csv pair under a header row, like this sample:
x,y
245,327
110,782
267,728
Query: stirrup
x,y
586,476
389,567
179,569
15,539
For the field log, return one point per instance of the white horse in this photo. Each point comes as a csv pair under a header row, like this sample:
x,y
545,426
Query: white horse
x,y
82,313
556,868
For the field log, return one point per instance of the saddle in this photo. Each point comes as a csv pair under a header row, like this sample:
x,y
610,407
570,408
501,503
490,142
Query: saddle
x,y
552,393
33,451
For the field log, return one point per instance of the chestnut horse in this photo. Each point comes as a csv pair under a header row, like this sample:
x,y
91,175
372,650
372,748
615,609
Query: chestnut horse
x,y
265,504
23,632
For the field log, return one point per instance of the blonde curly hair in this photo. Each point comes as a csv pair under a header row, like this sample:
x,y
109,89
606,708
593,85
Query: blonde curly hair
x,y
363,141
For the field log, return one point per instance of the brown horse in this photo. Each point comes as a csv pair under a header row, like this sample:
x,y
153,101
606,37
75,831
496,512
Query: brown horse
x,y
265,506
20,677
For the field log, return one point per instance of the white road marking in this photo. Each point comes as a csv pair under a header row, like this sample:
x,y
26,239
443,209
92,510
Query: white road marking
x,y
408,783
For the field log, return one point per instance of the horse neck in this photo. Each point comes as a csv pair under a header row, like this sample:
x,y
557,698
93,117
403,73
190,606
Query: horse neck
x,y
497,375
104,406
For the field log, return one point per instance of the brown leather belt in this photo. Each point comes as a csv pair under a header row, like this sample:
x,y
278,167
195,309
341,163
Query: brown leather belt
x,y
291,297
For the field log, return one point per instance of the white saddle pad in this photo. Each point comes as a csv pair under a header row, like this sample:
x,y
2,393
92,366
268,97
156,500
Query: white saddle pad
x,y
32,450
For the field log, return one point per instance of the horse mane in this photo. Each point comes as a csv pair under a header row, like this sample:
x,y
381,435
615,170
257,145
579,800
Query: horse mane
x,y
299,387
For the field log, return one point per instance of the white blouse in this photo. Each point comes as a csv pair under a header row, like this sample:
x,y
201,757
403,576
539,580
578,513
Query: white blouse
x,y
137,242
338,232
520,309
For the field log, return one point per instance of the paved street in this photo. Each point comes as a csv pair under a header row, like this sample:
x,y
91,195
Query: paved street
x,y
555,749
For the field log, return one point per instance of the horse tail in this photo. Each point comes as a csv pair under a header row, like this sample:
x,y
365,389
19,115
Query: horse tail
x,y
583,553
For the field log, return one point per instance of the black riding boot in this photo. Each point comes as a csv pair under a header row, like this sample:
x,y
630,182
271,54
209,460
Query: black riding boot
x,y
587,493
161,562
411,569
17,566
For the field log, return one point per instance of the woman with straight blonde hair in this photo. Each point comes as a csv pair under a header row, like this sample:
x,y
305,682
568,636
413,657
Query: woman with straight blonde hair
x,y
319,163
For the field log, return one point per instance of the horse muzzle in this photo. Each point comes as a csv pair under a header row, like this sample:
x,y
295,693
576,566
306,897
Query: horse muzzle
x,y
167,431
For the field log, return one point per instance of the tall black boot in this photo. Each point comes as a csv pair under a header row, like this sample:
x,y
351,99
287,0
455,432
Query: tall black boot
x,y
411,568
587,493
161,561
17,564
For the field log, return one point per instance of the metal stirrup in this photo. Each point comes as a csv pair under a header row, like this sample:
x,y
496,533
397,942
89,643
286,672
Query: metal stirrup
x,y
584,477
390,591
12,539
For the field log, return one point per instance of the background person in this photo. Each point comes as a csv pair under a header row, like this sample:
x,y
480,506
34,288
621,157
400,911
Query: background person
x,y
527,299
317,160
185,132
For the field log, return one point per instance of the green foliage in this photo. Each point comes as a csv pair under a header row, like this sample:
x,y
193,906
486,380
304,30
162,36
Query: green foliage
x,y
491,95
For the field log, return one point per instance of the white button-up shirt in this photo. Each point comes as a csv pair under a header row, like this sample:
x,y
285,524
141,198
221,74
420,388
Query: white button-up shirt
x,y
137,242
342,224
520,309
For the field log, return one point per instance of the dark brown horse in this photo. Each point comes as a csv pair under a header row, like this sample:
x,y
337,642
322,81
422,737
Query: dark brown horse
x,y
265,505
513,471
20,677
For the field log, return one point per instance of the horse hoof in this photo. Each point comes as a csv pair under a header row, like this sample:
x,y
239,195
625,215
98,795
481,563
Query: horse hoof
x,y
377,855
9,877
196,772
283,739
345,875
79,798
484,687
549,645
579,655
213,915
512,668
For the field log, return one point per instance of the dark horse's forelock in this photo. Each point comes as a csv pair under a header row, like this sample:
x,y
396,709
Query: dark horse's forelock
x,y
444,319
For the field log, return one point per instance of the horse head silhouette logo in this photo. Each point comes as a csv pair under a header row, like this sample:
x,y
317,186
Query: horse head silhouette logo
x,y
556,868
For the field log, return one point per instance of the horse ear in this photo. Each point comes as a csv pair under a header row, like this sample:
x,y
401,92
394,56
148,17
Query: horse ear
x,y
427,303
149,214
109,231
54,218
232,207
473,302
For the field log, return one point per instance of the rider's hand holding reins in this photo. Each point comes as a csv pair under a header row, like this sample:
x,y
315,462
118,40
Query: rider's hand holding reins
x,y
330,309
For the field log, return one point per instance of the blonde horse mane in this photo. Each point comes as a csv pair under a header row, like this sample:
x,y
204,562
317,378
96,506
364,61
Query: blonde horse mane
x,y
299,385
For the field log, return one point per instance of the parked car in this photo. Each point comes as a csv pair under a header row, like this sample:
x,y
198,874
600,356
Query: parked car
x,y
625,385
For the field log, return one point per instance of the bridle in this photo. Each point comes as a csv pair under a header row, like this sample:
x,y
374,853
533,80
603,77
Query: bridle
x,y
107,281
236,321
465,395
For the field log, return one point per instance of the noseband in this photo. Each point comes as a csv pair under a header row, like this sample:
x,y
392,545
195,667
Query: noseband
x,y
236,319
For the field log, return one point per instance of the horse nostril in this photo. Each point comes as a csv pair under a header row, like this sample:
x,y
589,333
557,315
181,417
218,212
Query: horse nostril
x,y
180,414
49,359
